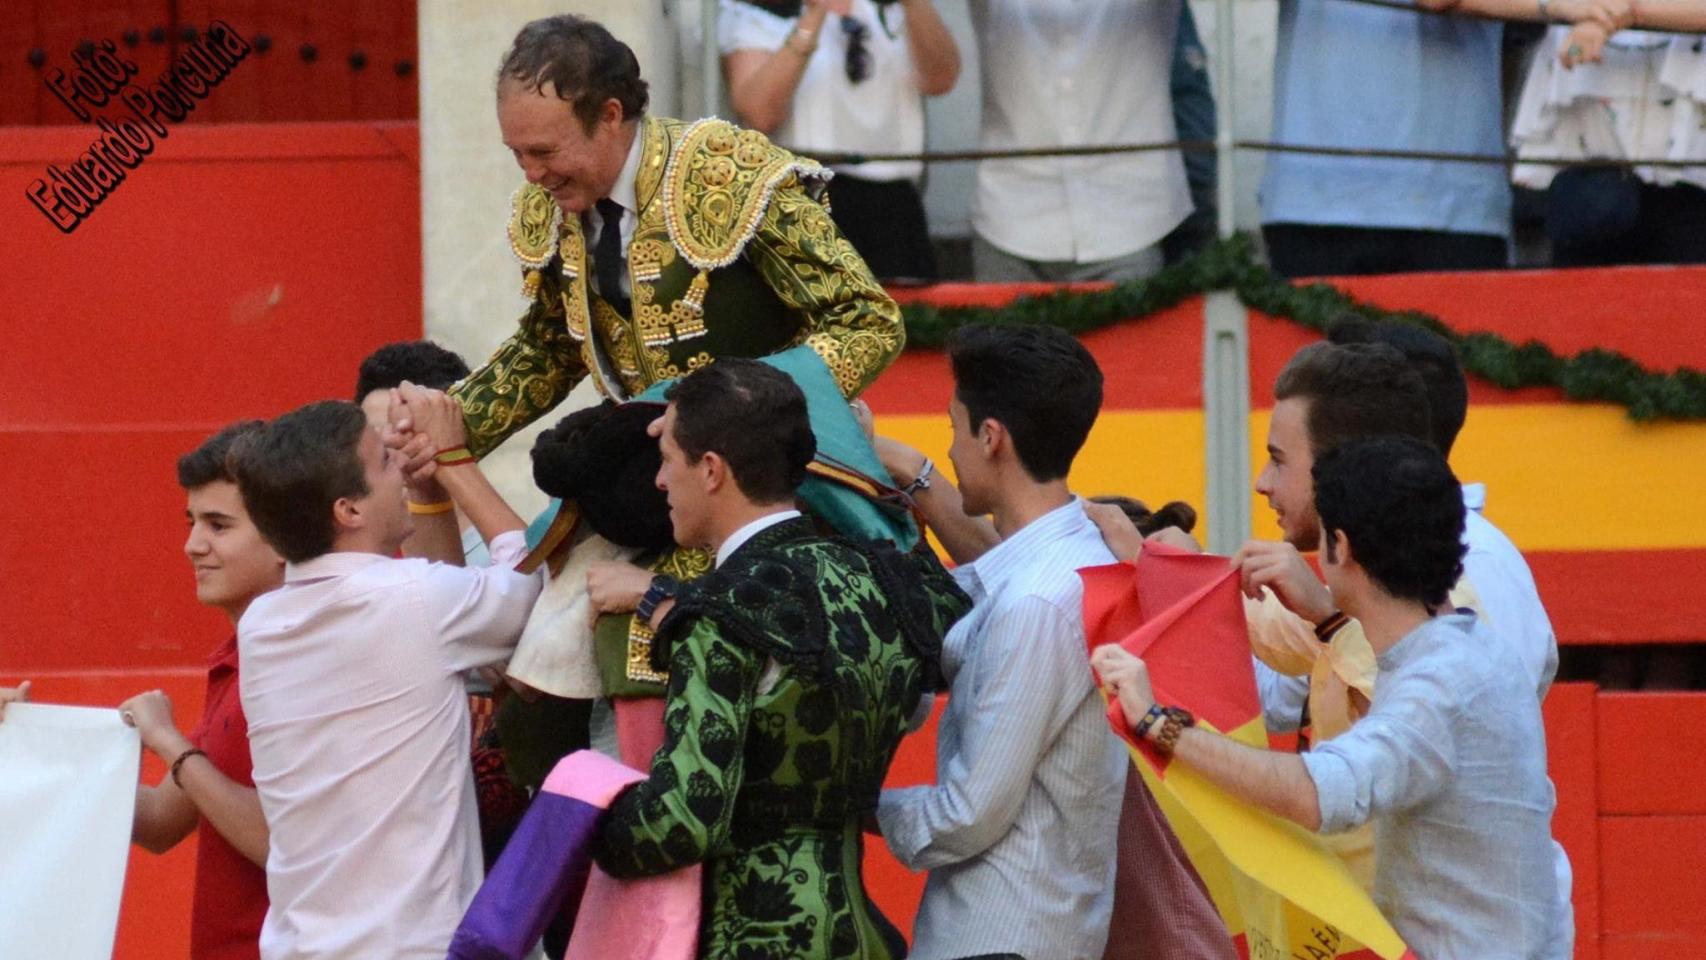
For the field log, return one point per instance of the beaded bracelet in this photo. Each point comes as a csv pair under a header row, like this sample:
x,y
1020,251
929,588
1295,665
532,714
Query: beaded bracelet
x,y
1156,712
1168,737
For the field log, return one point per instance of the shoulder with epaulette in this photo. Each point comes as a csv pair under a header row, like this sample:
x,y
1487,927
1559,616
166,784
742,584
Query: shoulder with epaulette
x,y
534,219
719,181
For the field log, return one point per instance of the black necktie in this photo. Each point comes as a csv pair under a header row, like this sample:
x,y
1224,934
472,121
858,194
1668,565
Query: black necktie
x,y
607,259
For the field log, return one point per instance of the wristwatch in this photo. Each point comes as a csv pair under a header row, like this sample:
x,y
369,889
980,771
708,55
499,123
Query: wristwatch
x,y
664,587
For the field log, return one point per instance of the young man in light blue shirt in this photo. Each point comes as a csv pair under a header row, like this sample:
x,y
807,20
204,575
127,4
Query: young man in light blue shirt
x,y
1018,830
1450,761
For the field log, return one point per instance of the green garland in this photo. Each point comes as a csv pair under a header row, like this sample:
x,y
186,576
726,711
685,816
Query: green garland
x,y
1591,375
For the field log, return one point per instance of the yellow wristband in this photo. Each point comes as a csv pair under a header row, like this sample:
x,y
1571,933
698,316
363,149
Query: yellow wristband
x,y
428,509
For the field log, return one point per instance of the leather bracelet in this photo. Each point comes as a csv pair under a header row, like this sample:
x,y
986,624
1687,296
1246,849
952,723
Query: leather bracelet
x,y
454,457
1333,624
431,509
178,764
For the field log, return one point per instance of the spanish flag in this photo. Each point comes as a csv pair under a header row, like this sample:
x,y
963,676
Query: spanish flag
x,y
1280,891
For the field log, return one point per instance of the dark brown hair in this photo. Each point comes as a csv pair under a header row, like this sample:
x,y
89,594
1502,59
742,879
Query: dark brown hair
x,y
586,64
209,463
1177,513
294,469
1355,390
754,417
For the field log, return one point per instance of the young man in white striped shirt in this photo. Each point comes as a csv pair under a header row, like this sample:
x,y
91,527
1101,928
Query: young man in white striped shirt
x,y
1018,830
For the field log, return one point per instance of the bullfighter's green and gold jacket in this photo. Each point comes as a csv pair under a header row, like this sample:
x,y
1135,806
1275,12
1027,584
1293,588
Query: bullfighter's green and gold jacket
x,y
733,255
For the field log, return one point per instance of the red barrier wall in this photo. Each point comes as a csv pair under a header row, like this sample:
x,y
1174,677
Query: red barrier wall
x,y
238,272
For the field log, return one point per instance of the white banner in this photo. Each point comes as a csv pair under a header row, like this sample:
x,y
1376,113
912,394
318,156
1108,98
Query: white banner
x,y
67,795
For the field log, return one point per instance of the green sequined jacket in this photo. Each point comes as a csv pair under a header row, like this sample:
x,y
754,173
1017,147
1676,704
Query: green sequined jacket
x,y
793,670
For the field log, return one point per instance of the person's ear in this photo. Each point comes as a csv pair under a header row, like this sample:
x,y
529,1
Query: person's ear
x,y
1341,547
348,514
713,472
991,437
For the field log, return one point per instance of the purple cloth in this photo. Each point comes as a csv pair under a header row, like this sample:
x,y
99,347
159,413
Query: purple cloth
x,y
543,869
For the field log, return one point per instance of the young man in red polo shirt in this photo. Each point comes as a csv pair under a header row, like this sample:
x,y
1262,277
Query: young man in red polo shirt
x,y
209,789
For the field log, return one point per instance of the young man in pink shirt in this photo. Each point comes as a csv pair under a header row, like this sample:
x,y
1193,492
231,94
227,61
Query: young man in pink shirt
x,y
352,676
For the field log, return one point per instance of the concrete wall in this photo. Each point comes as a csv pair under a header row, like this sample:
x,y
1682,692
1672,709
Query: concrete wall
x,y
471,284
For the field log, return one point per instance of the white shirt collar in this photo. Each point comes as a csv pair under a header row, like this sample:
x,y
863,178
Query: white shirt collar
x,y
1475,496
623,190
753,529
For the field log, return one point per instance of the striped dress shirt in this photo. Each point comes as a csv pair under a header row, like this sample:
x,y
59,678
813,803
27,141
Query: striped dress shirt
x,y
1018,832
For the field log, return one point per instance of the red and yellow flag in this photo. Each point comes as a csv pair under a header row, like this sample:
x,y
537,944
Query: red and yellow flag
x,y
1280,891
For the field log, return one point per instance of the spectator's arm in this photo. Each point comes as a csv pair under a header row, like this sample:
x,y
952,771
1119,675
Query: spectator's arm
x,y
845,314
1611,14
1277,782
1684,15
762,81
965,538
437,417
479,612
1393,759
167,813
233,809
682,812
17,694
164,817
935,56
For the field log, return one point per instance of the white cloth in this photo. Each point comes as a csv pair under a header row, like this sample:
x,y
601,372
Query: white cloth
x,y
1646,101
884,113
1018,830
735,540
556,652
67,795
1077,73
359,730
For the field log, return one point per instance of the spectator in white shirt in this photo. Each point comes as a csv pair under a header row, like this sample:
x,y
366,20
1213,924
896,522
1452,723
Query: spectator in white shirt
x,y
358,721
1069,73
847,76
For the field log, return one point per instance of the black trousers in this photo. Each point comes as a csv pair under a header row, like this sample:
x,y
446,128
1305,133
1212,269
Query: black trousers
x,y
884,220
1670,227
1306,250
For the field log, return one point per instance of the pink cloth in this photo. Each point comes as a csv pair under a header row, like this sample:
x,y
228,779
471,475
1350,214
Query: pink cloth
x,y
648,918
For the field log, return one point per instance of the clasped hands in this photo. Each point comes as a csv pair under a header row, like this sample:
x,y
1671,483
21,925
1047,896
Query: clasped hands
x,y
421,423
